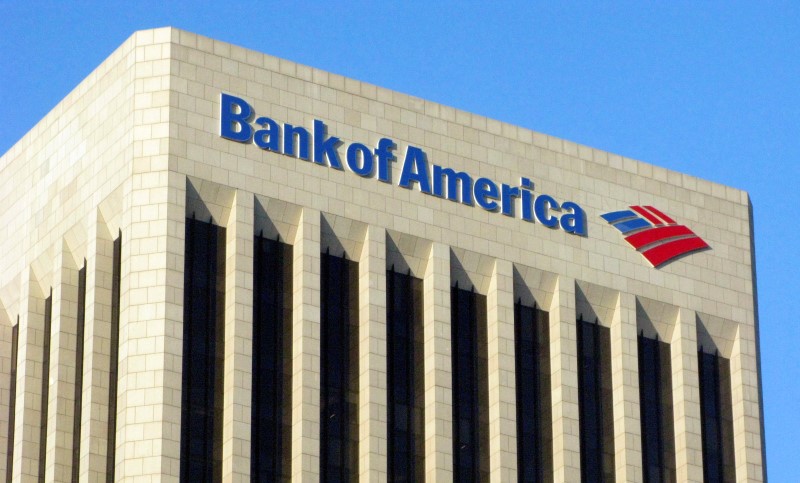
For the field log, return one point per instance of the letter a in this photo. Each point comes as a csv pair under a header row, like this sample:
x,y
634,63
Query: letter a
x,y
415,169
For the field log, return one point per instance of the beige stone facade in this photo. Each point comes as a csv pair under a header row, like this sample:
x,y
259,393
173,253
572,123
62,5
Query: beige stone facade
x,y
136,148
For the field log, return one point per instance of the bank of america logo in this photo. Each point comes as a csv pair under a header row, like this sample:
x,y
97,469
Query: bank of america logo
x,y
656,236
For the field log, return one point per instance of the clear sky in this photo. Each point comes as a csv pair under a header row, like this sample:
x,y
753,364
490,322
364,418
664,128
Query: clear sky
x,y
710,90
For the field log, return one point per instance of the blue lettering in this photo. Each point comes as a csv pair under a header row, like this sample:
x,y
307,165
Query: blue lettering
x,y
384,154
270,137
574,222
527,199
325,147
542,206
415,169
509,194
289,134
234,116
366,159
453,179
485,191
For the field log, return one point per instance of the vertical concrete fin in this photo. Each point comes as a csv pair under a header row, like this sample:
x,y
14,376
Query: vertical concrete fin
x,y
747,438
306,348
238,375
61,401
686,398
28,406
625,382
502,381
97,350
564,382
372,414
5,388
438,366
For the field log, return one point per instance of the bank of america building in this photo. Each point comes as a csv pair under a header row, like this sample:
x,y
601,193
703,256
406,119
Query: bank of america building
x,y
217,265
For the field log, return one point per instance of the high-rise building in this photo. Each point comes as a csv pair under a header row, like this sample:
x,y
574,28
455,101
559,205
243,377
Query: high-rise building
x,y
218,265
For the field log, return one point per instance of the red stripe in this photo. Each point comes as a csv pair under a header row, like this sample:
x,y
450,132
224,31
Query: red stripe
x,y
666,252
652,219
653,235
660,214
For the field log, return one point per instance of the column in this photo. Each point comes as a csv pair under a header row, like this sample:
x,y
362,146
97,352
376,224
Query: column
x,y
372,379
238,340
61,401
747,437
97,350
6,361
151,325
28,409
625,382
502,368
151,308
438,367
306,348
564,367
686,398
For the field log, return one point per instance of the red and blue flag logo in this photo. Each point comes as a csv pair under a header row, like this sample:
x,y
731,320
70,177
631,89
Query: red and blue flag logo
x,y
659,238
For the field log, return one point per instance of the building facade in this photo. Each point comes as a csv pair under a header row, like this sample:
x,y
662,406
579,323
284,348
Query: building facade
x,y
222,266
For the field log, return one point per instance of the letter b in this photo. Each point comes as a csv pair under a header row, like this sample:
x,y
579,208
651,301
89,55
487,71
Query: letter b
x,y
234,125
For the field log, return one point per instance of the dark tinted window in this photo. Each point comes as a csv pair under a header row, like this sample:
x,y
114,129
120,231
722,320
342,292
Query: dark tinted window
x,y
48,318
716,417
272,339
339,405
655,406
406,390
12,400
470,386
116,277
76,428
534,410
203,352
595,401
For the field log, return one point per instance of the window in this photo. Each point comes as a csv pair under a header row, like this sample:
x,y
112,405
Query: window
x,y
48,318
716,414
470,386
534,409
655,403
406,377
203,352
272,349
76,425
111,443
595,402
339,405
12,400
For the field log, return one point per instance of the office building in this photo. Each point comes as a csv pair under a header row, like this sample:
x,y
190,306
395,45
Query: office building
x,y
218,265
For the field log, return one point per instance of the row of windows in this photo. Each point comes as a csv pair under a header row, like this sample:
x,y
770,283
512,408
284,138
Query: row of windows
x,y
78,387
203,333
271,403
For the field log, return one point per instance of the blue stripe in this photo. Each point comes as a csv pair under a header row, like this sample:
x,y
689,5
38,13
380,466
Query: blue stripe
x,y
633,224
618,215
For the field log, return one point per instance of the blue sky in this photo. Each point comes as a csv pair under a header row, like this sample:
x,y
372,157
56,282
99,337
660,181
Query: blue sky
x,y
710,90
